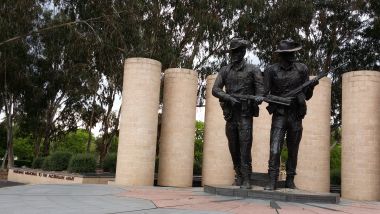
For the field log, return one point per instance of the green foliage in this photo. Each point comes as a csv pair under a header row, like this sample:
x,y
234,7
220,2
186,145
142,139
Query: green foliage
x,y
335,157
23,149
57,161
37,162
3,139
69,75
73,142
114,144
82,163
335,176
46,163
109,164
284,154
22,163
335,164
198,148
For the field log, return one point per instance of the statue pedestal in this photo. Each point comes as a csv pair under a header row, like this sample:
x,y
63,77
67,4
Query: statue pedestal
x,y
287,195
262,179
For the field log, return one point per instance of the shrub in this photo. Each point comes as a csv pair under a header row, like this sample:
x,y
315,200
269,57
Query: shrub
x,y
58,161
335,157
198,148
335,164
197,166
284,154
82,163
37,162
46,164
23,149
109,163
335,176
21,163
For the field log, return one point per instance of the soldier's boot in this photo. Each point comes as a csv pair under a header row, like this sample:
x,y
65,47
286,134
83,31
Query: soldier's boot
x,y
272,182
246,172
289,183
238,177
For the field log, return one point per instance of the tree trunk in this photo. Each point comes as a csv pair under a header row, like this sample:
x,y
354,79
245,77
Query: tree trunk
x,y
8,101
10,141
106,125
4,159
37,145
48,127
90,125
46,142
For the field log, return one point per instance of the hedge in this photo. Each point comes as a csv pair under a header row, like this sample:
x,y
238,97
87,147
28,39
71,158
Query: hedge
x,y
57,161
37,162
21,163
109,163
82,163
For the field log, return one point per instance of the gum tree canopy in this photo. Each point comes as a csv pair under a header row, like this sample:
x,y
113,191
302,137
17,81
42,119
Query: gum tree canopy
x,y
62,60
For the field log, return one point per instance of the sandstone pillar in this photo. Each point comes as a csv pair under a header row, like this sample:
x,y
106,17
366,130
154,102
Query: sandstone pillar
x,y
217,167
178,127
361,135
138,122
313,170
261,140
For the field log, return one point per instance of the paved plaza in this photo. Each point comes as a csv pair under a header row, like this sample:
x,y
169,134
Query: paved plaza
x,y
152,200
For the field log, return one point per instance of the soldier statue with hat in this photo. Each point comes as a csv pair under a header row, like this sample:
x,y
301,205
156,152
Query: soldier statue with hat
x,y
280,79
239,78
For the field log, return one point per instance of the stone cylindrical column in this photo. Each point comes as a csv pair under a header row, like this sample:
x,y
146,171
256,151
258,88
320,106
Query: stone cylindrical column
x,y
217,167
176,155
261,140
313,169
361,135
138,123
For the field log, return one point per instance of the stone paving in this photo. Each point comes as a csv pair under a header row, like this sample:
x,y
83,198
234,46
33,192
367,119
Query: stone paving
x,y
109,199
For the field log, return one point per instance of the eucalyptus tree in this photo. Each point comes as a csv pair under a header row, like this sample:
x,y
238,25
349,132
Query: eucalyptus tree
x,y
331,33
16,18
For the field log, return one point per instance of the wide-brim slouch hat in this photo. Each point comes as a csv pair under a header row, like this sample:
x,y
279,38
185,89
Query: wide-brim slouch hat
x,y
288,45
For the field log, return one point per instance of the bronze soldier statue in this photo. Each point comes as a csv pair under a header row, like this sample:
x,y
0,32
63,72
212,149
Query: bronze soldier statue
x,y
280,79
239,78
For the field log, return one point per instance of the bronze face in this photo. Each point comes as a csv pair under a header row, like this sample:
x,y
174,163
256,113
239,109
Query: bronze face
x,y
237,55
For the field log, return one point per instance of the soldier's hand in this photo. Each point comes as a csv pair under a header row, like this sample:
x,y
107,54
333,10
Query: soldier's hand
x,y
314,83
233,101
259,99
301,98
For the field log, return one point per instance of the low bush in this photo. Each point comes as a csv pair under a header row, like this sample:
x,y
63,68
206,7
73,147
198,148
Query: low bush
x,y
37,162
57,161
197,165
46,164
335,164
82,163
335,176
21,163
109,164
335,157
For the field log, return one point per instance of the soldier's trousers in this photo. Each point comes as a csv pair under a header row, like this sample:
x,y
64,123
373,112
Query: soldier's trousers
x,y
291,128
239,135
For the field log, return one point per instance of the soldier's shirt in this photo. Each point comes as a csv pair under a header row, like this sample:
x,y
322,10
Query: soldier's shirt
x,y
242,79
280,80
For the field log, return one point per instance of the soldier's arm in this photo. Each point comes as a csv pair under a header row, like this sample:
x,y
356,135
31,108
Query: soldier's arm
x,y
308,91
259,82
267,80
217,89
